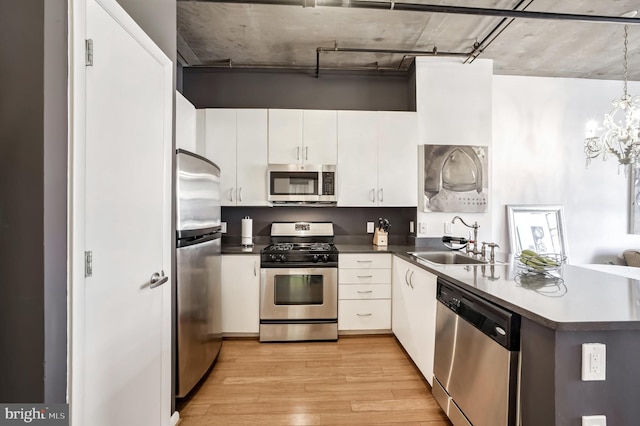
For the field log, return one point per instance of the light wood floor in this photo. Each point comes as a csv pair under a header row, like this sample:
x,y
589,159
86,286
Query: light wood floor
x,y
356,381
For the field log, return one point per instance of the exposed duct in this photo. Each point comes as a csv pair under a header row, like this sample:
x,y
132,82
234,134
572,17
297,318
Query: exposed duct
x,y
433,52
435,8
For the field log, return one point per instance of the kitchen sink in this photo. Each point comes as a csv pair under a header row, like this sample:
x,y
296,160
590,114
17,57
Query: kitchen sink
x,y
447,258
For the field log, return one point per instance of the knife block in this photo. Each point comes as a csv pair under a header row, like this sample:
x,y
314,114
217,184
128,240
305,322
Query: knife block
x,y
380,238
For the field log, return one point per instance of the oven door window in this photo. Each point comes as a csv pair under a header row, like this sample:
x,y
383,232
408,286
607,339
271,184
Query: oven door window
x,y
294,183
298,289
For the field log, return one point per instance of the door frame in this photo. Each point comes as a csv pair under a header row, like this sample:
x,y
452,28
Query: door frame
x,y
76,221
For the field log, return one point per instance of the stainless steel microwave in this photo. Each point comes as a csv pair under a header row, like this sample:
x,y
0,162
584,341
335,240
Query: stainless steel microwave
x,y
301,184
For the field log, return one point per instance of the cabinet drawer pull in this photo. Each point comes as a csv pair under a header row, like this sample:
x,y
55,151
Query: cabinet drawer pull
x,y
365,276
364,315
373,195
364,261
365,291
240,195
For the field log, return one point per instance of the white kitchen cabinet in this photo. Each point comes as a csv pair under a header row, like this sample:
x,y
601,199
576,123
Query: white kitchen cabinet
x,y
414,313
357,158
397,158
364,293
377,159
236,140
185,124
302,136
240,294
320,137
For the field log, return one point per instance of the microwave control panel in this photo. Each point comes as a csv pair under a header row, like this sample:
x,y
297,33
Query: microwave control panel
x,y
328,183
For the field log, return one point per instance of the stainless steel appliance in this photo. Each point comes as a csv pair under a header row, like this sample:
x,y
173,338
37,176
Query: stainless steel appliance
x,y
299,283
476,359
301,184
198,265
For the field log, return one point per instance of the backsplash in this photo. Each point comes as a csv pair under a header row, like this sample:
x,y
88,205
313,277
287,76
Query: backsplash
x,y
350,223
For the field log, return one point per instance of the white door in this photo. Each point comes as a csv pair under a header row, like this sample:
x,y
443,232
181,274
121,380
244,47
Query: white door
x,y
120,324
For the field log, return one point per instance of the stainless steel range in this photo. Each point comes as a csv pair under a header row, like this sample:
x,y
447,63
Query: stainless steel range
x,y
299,283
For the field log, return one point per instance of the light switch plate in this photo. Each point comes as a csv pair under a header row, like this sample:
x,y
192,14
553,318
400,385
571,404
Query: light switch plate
x,y
422,227
411,227
223,227
370,227
594,360
594,421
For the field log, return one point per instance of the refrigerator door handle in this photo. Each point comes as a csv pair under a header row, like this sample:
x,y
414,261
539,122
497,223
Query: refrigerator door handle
x,y
157,279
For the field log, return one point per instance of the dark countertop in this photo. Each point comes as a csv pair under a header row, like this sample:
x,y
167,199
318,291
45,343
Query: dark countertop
x,y
576,298
238,249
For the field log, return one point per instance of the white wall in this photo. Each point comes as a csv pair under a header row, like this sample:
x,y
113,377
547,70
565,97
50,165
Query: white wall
x,y
535,129
538,158
453,103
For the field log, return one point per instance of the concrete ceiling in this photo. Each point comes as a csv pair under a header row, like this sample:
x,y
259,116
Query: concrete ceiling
x,y
257,34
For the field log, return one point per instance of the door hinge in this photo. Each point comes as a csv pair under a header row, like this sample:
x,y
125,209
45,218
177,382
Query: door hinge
x,y
88,264
88,52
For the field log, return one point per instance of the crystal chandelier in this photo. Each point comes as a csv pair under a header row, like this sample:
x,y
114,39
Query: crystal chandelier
x,y
621,128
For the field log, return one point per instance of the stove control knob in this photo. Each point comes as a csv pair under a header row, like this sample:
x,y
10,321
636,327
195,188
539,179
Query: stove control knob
x,y
315,258
325,257
277,257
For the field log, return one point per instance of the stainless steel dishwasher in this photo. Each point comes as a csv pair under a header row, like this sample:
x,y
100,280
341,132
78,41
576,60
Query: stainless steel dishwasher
x,y
476,359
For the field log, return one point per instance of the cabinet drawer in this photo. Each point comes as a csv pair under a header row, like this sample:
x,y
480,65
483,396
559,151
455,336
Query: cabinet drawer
x,y
364,276
364,291
364,314
364,260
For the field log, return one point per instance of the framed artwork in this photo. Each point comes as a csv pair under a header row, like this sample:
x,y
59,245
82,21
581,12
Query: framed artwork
x,y
454,178
537,227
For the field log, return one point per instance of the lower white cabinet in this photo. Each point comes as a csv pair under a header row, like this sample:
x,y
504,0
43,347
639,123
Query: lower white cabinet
x,y
240,294
414,313
364,292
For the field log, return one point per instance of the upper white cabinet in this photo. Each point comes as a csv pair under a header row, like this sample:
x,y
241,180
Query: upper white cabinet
x,y
377,159
302,136
185,124
236,140
414,313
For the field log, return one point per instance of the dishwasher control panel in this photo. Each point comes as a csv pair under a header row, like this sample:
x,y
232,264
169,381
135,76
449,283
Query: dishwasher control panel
x,y
499,324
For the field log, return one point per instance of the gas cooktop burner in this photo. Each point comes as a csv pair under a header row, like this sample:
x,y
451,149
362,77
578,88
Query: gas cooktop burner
x,y
300,247
300,243
280,247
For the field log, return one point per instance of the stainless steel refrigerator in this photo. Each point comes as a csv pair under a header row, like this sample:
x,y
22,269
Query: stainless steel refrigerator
x,y
198,265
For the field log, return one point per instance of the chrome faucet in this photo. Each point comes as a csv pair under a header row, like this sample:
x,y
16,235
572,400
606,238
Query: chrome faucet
x,y
475,227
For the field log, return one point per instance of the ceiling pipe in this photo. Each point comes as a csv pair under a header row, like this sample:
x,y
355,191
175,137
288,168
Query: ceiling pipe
x,y
480,47
433,52
435,8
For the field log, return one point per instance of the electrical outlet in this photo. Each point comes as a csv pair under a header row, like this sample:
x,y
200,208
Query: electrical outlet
x,y
593,361
447,228
422,228
411,227
370,227
223,227
594,421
